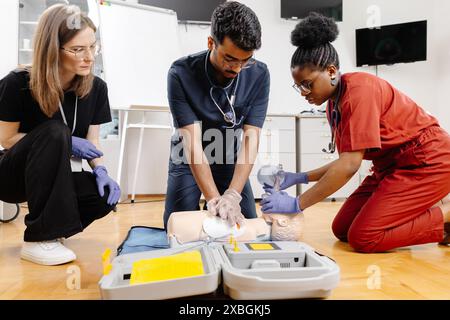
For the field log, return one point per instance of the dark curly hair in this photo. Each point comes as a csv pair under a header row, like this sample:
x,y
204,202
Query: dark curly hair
x,y
239,23
313,37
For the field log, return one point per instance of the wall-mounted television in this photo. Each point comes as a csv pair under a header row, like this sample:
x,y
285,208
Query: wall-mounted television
x,y
390,44
299,9
188,11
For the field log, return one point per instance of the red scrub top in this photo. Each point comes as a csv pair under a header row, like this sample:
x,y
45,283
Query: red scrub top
x,y
376,117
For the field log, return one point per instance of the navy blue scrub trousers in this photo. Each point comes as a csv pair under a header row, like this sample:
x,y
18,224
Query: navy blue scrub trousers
x,y
37,170
183,193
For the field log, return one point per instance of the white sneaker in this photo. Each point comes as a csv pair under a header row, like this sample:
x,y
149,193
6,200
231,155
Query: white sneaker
x,y
48,253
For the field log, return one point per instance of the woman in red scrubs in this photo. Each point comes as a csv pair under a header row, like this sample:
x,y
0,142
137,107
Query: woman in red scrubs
x,y
404,201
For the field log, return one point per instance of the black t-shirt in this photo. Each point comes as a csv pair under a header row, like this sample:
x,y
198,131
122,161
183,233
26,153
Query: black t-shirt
x,y
18,105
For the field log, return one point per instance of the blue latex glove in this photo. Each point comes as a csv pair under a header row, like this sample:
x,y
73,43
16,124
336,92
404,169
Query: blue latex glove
x,y
84,149
102,178
293,178
279,202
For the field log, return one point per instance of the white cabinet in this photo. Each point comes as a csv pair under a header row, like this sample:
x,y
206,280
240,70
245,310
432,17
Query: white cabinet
x,y
277,146
315,135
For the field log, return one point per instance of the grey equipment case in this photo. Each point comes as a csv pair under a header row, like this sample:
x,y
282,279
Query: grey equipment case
x,y
265,270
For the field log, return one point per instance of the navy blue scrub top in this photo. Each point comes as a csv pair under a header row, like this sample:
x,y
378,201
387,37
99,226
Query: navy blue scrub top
x,y
189,100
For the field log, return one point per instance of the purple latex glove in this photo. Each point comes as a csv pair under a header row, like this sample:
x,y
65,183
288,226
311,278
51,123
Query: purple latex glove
x,y
102,178
293,178
84,149
279,202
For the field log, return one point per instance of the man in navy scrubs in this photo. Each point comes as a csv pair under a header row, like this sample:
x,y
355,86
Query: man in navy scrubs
x,y
218,99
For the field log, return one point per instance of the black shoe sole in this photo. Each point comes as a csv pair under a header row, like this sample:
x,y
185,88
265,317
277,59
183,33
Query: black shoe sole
x,y
446,240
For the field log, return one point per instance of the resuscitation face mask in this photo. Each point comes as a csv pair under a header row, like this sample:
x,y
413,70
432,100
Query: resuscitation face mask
x,y
271,175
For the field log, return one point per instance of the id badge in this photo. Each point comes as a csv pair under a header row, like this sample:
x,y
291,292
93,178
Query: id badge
x,y
76,164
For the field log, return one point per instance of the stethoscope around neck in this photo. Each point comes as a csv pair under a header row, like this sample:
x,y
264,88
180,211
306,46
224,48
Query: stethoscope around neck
x,y
335,118
229,116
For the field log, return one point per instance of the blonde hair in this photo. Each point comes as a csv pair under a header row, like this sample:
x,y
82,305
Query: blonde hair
x,y
57,26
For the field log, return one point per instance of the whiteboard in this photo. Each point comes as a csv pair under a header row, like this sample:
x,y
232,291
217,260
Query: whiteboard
x,y
139,43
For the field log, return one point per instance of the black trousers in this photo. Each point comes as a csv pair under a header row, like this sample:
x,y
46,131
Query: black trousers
x,y
183,193
37,170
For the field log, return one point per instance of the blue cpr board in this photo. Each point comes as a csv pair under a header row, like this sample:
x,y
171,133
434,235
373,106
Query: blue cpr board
x,y
140,238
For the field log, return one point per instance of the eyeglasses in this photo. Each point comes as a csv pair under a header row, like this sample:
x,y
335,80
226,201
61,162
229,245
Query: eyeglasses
x,y
235,62
82,52
302,89
305,88
242,64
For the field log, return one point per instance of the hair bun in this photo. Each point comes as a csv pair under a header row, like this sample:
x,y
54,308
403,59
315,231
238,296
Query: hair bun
x,y
314,31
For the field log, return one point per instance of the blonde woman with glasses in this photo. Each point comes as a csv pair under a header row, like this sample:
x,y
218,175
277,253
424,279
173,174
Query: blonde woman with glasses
x,y
50,114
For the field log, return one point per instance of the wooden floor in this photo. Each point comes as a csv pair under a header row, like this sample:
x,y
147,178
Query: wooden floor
x,y
419,272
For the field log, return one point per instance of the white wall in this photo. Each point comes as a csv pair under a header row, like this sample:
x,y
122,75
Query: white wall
x,y
410,77
9,34
419,80
440,79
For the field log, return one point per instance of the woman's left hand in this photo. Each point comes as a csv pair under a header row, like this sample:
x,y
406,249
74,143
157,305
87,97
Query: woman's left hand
x,y
102,178
279,202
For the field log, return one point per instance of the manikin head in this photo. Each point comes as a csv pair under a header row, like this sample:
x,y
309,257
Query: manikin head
x,y
285,227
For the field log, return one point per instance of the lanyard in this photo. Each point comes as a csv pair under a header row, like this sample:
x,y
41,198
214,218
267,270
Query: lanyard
x,y
74,117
